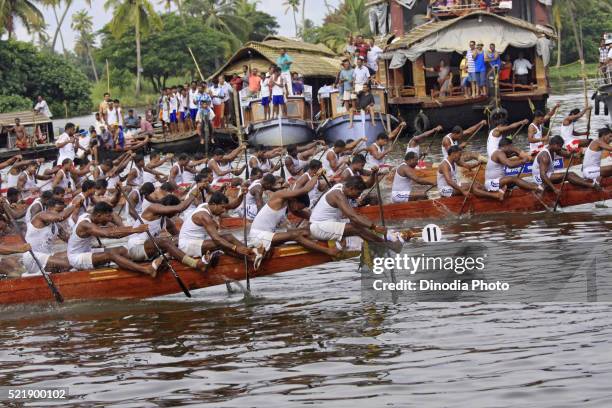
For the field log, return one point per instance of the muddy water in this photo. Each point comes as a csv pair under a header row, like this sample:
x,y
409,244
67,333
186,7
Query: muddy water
x,y
307,338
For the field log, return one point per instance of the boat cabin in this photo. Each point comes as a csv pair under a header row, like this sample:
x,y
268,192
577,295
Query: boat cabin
x,y
38,127
337,108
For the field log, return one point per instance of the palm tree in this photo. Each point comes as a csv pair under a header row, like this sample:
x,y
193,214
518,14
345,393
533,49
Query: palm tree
x,y
82,23
24,10
350,18
179,6
292,5
139,14
221,15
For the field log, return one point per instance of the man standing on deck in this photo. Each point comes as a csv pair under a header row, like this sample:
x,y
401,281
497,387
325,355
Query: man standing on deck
x,y
41,231
544,167
66,143
204,122
495,173
535,133
521,68
42,108
471,68
591,164
284,62
193,103
448,184
480,67
103,107
83,256
569,133
404,178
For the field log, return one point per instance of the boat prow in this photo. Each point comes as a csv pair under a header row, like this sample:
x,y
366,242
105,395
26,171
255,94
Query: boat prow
x,y
339,128
280,132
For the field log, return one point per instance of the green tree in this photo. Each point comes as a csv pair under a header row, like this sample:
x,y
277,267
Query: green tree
x,y
263,24
292,5
350,18
82,23
27,72
25,11
139,14
205,42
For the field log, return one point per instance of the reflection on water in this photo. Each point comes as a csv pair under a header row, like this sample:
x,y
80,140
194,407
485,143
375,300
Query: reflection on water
x,y
307,338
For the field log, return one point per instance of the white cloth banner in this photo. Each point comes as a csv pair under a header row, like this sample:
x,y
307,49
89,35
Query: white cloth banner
x,y
457,37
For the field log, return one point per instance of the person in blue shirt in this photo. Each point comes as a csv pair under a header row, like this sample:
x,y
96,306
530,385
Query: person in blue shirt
x,y
284,62
481,69
493,59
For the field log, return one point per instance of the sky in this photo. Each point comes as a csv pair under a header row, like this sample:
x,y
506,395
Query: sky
x,y
315,10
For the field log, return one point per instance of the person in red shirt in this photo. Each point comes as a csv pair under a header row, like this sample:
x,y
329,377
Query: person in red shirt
x,y
236,82
254,82
361,47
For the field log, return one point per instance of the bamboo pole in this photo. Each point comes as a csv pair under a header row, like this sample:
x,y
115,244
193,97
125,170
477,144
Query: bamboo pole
x,y
196,64
107,77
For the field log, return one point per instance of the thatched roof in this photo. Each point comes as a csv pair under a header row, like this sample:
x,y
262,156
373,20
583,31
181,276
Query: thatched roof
x,y
26,118
421,32
309,60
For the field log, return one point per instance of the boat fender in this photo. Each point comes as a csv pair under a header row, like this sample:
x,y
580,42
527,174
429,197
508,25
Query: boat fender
x,y
498,113
421,123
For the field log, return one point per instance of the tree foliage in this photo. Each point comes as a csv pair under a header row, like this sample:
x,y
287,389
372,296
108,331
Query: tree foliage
x,y
14,103
165,53
26,72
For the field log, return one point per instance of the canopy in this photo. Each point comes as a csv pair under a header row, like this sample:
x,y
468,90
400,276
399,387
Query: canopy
x,y
455,35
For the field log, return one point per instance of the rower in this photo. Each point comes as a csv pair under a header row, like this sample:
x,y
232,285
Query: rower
x,y
176,172
16,205
82,255
536,138
156,161
298,157
261,159
495,173
413,144
569,133
499,131
18,169
326,220
111,170
135,177
456,134
11,264
331,160
138,201
376,152
221,166
264,228
26,182
313,194
591,164
39,204
447,182
200,233
41,232
254,195
404,178
158,217
357,168
198,163
62,177
544,167
80,171
82,202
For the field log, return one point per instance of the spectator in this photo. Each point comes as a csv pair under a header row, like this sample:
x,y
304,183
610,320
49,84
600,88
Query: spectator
x,y
284,62
472,68
265,94
245,74
131,122
279,89
254,82
42,107
236,82
373,54
324,94
505,73
365,102
349,49
481,69
444,77
493,59
146,128
521,69
361,47
465,79
106,139
297,84
346,80
361,75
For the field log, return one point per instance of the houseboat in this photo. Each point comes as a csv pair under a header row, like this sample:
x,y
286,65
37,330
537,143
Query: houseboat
x,y
420,44
39,129
315,63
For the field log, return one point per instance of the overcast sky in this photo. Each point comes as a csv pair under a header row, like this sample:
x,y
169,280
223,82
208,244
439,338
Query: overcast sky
x,y
315,10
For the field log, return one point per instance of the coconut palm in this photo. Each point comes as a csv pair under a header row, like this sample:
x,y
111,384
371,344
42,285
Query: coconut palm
x,y
25,11
350,18
292,5
139,14
82,23
221,16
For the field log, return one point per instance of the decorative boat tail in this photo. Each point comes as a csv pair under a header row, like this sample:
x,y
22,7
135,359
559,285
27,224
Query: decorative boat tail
x,y
280,132
111,283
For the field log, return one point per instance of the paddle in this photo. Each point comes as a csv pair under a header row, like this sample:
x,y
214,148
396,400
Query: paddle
x,y
159,250
381,210
563,182
244,235
56,294
517,132
470,190
474,134
433,139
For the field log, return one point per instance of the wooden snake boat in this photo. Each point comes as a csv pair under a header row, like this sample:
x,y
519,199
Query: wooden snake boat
x,y
114,283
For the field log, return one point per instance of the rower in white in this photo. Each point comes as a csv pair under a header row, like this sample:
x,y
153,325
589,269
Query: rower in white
x,y
221,166
455,136
591,164
495,172
318,188
413,144
570,134
404,179
499,131
535,135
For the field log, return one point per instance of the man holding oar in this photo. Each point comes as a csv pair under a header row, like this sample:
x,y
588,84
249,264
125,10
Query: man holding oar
x,y
413,144
455,136
535,134
495,172
544,167
569,133
404,179
591,164
315,192
498,132
448,184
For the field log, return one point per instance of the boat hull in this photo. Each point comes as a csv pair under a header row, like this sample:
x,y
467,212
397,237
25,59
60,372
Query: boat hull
x,y
117,284
338,128
48,152
280,133
605,95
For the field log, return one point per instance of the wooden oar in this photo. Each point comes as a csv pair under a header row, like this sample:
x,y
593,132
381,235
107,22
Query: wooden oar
x,y
470,190
517,132
159,250
381,210
56,294
563,182
433,139
474,134
244,235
